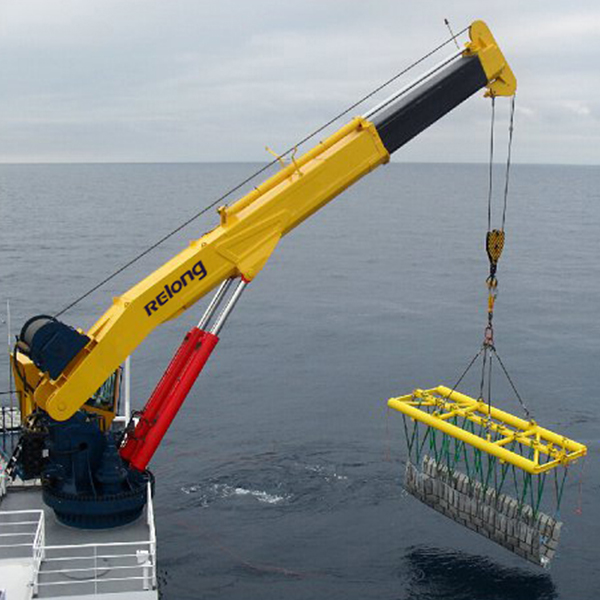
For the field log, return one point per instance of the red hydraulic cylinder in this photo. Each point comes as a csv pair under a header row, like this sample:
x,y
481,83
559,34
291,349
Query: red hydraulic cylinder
x,y
167,398
162,389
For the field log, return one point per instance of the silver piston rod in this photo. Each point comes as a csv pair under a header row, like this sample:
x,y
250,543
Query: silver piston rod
x,y
216,302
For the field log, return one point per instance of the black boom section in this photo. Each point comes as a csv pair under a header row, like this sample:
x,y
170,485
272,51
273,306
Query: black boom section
x,y
406,117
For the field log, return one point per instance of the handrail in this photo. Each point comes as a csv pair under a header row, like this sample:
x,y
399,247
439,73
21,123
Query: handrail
x,y
37,511
143,551
103,580
150,520
70,558
92,545
83,569
38,551
3,478
36,544
98,571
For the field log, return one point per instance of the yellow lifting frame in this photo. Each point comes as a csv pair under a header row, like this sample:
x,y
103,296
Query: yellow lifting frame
x,y
435,407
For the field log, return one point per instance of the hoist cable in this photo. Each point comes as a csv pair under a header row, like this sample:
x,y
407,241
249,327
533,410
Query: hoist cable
x,y
464,373
483,365
489,398
494,246
511,128
491,166
512,385
262,170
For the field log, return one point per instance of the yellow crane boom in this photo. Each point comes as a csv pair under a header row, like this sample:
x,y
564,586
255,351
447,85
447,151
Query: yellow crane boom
x,y
251,228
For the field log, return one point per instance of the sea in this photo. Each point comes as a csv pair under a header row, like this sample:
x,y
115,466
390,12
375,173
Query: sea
x,y
282,475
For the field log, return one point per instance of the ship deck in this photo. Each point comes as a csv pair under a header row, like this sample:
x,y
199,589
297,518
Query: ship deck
x,y
40,557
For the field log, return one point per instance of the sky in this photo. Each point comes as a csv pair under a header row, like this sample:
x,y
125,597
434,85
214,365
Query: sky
x,y
197,81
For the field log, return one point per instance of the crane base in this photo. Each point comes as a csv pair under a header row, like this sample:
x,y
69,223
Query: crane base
x,y
100,512
85,481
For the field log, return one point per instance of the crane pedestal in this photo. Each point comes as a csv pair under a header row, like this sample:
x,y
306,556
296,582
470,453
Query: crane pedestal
x,y
85,481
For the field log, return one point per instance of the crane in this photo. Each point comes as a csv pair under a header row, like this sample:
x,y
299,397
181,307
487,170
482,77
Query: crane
x,y
68,379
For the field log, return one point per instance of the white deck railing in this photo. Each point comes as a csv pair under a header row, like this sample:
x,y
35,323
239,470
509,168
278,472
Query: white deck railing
x,y
30,524
39,545
22,534
3,476
102,567
151,527
99,568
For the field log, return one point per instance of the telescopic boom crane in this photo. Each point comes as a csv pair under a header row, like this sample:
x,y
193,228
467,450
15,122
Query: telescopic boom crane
x,y
59,370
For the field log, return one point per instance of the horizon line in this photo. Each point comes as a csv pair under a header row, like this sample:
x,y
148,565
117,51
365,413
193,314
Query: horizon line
x,y
258,162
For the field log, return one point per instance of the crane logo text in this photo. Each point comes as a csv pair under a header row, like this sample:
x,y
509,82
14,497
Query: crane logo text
x,y
198,272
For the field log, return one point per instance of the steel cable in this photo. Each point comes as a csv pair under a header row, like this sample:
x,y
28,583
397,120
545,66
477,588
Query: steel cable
x,y
259,172
511,128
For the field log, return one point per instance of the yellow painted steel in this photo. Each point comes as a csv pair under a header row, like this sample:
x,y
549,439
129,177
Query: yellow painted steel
x,y
28,371
502,81
435,407
248,233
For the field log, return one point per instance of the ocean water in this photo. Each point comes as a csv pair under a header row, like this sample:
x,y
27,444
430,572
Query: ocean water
x,y
281,477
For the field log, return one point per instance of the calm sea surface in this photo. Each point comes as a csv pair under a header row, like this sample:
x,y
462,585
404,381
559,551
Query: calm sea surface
x,y
281,476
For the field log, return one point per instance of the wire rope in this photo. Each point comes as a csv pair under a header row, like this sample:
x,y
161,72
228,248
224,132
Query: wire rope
x,y
511,128
260,171
491,165
512,385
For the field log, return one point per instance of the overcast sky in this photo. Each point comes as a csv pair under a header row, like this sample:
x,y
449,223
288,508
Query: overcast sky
x,y
218,80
